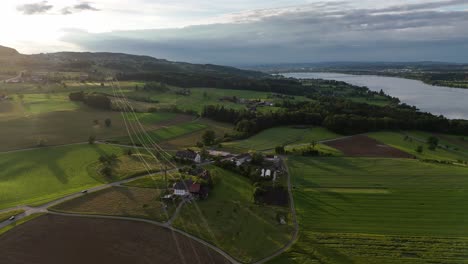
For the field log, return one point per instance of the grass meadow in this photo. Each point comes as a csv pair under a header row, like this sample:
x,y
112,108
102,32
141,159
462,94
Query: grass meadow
x,y
371,210
204,96
230,220
41,175
270,138
397,140
156,181
163,134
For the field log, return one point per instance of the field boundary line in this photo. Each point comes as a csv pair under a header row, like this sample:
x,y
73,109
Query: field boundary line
x,y
201,241
295,234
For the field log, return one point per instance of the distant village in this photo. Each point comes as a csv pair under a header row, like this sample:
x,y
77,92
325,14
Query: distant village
x,y
43,77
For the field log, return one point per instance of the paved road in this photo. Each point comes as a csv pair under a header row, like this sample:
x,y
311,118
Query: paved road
x,y
44,209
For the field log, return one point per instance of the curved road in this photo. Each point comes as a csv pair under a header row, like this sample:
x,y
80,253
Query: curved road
x,y
28,210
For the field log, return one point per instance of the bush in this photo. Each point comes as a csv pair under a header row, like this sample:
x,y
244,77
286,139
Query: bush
x,y
419,149
280,150
108,122
91,140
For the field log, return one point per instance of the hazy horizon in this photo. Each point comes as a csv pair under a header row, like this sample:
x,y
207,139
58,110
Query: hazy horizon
x,y
244,33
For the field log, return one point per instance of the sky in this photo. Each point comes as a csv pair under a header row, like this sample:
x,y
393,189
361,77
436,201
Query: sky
x,y
243,32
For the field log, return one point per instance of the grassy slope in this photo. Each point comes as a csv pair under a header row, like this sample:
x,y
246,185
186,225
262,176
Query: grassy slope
x,y
230,220
452,142
396,140
154,181
45,103
270,138
163,134
119,201
189,140
150,118
127,167
41,175
378,211
196,101
58,128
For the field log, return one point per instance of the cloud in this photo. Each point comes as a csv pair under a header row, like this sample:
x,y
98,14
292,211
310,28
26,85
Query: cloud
x,y
83,6
34,8
409,32
423,6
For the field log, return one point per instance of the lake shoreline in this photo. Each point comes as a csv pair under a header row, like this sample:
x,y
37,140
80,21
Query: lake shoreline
x,y
377,74
438,100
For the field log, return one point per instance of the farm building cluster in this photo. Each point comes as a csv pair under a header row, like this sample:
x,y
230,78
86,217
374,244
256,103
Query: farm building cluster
x,y
269,168
198,186
251,104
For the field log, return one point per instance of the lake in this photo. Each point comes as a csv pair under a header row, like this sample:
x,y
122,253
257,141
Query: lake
x,y
450,102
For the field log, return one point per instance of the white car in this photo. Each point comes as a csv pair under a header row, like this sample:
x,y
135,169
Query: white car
x,y
84,191
11,218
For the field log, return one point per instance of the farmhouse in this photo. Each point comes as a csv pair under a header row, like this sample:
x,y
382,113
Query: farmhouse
x,y
217,153
241,159
182,188
188,187
269,173
189,155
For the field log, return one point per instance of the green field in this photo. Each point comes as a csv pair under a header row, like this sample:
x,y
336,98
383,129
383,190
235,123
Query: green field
x,y
189,140
369,210
140,162
204,96
154,181
150,118
41,175
163,134
59,127
45,103
397,140
230,220
278,136
455,143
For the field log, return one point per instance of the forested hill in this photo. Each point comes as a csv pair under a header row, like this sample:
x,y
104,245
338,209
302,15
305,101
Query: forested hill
x,y
115,63
101,65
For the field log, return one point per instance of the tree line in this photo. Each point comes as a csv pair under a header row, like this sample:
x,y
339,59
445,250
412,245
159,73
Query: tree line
x,y
100,101
337,114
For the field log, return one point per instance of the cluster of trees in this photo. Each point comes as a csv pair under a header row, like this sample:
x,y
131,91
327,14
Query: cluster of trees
x,y
94,100
247,170
109,164
339,115
222,81
156,87
173,109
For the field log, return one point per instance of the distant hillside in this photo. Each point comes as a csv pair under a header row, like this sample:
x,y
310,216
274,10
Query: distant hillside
x,y
102,65
363,66
113,63
5,51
